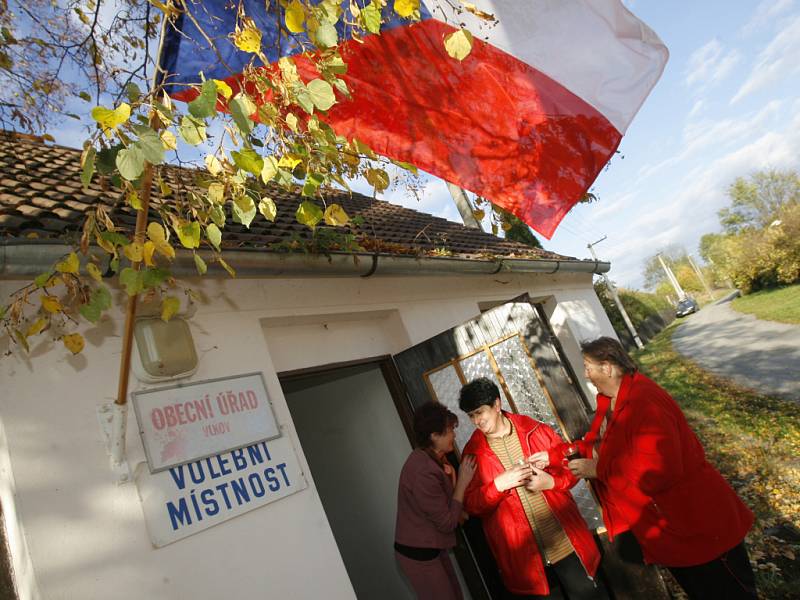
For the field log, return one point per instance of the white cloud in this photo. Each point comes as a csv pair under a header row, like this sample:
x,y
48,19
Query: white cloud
x,y
778,62
697,108
710,64
764,13
687,210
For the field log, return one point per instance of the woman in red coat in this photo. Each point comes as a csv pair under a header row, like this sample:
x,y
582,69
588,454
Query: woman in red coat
x,y
533,526
652,477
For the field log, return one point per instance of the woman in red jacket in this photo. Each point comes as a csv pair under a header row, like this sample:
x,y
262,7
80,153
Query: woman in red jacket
x,y
533,526
652,477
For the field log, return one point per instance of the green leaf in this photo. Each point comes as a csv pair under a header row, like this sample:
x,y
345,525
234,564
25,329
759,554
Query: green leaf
x,y
458,44
189,234
313,181
150,144
227,267
114,238
192,130
371,15
205,105
132,280
200,264
85,96
153,277
326,35
107,159
267,208
99,301
130,162
41,280
309,214
321,94
244,210
133,92
217,215
248,160
88,166
214,235
270,169
242,108
303,98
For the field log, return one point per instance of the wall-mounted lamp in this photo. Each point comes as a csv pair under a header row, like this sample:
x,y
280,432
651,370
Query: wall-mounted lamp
x,y
165,349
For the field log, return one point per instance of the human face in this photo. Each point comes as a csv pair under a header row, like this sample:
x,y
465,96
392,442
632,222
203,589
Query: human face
x,y
487,418
443,443
600,375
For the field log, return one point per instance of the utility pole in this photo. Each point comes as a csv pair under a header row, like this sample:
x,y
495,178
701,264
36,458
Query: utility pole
x,y
700,276
672,279
612,288
464,206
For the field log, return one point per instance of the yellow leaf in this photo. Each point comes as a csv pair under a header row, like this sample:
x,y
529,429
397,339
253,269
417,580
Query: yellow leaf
x,y
478,13
458,44
212,164
36,327
216,193
156,233
335,215
248,39
148,250
289,161
267,208
168,140
106,245
109,119
227,267
224,89
133,252
134,201
406,8
73,342
69,264
94,272
51,304
295,15
170,307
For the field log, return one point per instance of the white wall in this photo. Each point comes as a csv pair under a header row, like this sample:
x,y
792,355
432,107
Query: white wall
x,y
86,536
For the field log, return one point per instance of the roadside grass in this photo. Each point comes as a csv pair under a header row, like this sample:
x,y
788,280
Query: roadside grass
x,y
779,304
754,441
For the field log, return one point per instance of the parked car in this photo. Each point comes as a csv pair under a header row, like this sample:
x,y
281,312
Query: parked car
x,y
686,307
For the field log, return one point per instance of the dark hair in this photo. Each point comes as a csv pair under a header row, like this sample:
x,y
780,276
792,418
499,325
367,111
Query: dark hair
x,y
607,349
429,418
478,392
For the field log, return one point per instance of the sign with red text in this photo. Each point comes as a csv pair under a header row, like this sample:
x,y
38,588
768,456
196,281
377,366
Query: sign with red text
x,y
186,499
186,422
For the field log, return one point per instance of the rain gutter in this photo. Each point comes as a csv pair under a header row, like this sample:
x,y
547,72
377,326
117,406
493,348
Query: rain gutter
x,y
25,258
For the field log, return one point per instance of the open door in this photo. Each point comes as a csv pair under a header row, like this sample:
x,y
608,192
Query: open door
x,y
513,345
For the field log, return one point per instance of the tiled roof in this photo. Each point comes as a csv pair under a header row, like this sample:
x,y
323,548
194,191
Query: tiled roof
x,y
41,196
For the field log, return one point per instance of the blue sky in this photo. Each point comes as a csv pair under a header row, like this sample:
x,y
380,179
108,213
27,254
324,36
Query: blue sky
x,y
727,104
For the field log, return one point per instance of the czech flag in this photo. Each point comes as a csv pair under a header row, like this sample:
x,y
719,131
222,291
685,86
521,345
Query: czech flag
x,y
527,120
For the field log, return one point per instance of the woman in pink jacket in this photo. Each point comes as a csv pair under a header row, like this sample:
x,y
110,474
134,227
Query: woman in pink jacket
x,y
429,505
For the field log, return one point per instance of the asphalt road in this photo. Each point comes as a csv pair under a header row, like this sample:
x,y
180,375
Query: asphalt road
x,y
760,355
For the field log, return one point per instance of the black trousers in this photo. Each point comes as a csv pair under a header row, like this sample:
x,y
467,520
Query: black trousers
x,y
728,577
568,579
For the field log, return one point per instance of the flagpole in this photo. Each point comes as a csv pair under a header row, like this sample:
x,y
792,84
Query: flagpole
x,y
119,417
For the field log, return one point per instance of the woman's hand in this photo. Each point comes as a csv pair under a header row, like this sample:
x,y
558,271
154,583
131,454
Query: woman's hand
x,y
540,460
541,480
583,467
514,477
466,471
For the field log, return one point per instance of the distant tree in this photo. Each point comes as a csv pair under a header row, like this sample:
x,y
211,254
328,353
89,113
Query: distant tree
x,y
653,271
520,232
757,199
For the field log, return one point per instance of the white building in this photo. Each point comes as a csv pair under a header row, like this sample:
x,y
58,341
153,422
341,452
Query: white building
x,y
322,331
